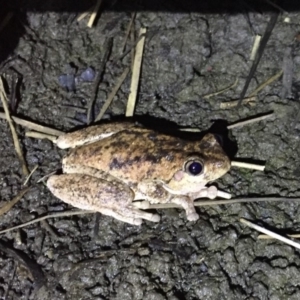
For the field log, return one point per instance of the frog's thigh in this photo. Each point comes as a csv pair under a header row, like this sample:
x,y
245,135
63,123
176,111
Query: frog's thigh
x,y
91,134
91,193
88,192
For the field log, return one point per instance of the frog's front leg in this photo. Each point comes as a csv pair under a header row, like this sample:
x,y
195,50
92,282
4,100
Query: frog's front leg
x,y
88,188
154,192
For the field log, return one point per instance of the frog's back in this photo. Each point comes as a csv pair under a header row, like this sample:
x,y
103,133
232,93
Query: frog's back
x,y
135,154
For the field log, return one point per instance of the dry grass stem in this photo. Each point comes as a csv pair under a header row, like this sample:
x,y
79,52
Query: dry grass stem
x,y
29,176
270,233
267,237
94,13
5,20
255,46
132,50
204,202
46,176
33,126
7,206
128,31
112,94
135,74
247,165
266,83
209,202
83,15
53,215
221,91
13,130
223,195
250,121
38,135
190,129
229,104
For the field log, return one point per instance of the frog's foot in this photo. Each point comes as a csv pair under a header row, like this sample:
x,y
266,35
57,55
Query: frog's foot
x,y
210,192
141,204
120,217
188,206
136,213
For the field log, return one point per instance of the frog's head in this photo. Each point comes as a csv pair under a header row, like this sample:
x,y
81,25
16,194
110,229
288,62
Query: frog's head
x,y
208,163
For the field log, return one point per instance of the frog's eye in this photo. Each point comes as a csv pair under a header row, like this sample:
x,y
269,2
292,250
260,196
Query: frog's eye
x,y
194,167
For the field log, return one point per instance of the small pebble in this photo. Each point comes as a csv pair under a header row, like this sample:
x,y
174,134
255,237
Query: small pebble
x,y
67,81
88,74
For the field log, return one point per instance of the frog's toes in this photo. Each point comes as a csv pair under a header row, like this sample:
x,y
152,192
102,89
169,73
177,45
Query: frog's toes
x,y
193,217
137,221
212,192
141,204
155,218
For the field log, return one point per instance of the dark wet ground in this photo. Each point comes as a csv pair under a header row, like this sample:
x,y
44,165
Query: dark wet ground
x,y
186,57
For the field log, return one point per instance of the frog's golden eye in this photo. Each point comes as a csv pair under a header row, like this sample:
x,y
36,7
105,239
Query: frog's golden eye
x,y
194,167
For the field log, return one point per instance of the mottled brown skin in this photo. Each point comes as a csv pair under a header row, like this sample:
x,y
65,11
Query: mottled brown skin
x,y
138,154
118,163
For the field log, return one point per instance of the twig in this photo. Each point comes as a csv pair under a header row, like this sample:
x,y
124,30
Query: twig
x,y
48,228
229,104
156,206
128,31
132,39
94,13
53,215
13,130
276,6
130,49
98,78
135,74
246,122
29,176
221,91
267,82
267,237
255,46
38,135
84,14
247,165
112,94
7,206
260,51
5,20
33,126
190,129
270,233
210,202
235,125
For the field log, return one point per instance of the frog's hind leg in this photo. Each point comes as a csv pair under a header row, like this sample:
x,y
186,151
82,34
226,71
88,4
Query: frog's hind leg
x,y
130,215
106,196
91,134
121,217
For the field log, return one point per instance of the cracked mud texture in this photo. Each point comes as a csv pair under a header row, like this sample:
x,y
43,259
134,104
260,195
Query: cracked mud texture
x,y
186,57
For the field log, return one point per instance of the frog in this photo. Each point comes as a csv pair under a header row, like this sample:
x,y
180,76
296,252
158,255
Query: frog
x,y
120,168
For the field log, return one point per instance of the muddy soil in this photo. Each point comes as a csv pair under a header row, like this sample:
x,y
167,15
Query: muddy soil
x,y
186,56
